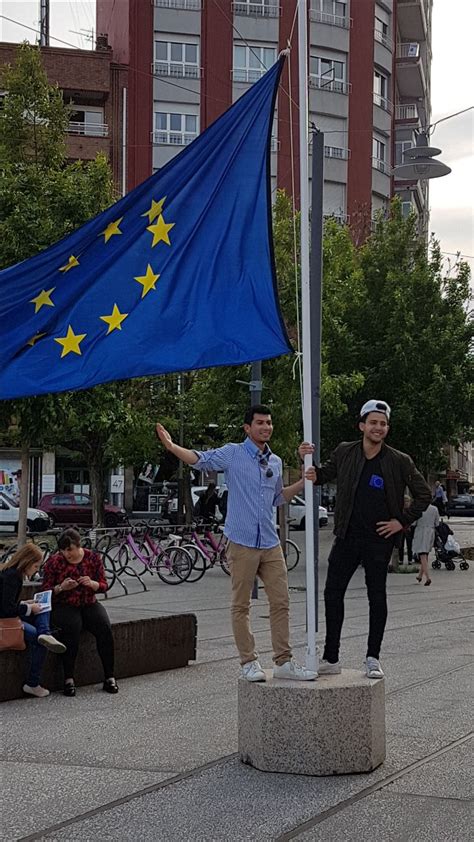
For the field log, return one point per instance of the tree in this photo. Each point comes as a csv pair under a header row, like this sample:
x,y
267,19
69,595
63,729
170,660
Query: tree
x,y
42,199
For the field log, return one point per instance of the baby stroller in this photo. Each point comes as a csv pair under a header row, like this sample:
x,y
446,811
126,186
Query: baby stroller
x,y
447,549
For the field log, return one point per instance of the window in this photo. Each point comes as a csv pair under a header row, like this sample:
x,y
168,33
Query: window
x,y
251,62
173,58
328,74
329,11
88,120
81,500
175,129
259,8
400,147
382,33
381,83
379,155
62,500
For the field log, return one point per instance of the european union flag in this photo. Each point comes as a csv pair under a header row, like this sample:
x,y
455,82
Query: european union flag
x,y
177,275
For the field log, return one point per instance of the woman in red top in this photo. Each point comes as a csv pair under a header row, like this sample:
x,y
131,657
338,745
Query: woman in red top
x,y
75,575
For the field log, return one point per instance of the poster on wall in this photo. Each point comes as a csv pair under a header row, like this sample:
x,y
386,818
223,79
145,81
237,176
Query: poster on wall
x,y
10,482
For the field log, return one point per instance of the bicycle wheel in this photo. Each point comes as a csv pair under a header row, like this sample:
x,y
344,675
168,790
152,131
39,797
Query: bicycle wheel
x,y
223,561
174,565
292,554
199,560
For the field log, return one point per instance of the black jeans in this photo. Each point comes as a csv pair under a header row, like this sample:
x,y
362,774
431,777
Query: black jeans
x,y
70,621
346,554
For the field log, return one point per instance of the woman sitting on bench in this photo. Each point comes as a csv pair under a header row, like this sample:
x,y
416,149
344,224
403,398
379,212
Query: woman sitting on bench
x,y
36,623
75,575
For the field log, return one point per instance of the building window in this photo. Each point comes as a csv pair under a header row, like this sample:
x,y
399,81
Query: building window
x,y
257,8
379,155
328,74
88,121
329,11
175,129
382,33
174,58
400,147
251,62
381,87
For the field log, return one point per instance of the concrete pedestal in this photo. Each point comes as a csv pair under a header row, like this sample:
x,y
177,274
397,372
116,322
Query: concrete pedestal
x,y
332,726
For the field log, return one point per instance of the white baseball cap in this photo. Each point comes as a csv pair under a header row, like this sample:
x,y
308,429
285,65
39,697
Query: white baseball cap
x,y
376,406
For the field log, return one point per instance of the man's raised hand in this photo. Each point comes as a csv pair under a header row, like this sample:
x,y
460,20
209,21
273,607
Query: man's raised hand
x,y
164,436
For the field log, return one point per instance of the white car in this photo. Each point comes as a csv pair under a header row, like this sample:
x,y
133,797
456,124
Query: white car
x,y
38,521
298,512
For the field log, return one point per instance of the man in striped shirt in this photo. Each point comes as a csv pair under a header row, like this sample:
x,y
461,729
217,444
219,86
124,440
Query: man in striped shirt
x,y
254,479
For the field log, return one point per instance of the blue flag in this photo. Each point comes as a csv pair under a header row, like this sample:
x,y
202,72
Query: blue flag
x,y
177,275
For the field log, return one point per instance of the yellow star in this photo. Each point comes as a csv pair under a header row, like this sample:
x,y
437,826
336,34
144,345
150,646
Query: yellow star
x,y
155,209
43,299
35,338
115,320
73,261
160,231
148,280
112,228
71,342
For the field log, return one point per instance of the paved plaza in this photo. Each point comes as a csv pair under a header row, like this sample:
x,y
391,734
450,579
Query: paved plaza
x,y
158,761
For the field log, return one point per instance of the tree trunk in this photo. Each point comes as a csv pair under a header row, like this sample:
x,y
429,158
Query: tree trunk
x,y
96,475
24,492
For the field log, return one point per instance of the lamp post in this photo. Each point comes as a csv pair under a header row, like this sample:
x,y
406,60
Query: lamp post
x,y
418,160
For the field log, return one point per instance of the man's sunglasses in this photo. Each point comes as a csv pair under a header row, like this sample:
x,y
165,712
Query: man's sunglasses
x,y
263,462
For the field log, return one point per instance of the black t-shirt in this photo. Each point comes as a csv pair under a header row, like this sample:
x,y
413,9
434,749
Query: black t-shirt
x,y
370,503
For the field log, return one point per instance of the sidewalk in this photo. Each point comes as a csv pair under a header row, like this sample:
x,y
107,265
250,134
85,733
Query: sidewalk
x,y
157,762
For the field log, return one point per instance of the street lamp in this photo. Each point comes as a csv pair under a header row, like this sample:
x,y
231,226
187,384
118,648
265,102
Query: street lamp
x,y
419,162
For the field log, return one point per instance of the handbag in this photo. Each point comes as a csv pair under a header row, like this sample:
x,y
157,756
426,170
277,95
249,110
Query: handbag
x,y
11,634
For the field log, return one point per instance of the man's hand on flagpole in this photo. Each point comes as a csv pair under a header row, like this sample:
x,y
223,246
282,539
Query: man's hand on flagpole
x,y
164,437
310,473
305,449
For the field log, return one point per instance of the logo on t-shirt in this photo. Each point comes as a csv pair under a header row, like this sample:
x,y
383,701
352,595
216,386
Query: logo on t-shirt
x,y
376,482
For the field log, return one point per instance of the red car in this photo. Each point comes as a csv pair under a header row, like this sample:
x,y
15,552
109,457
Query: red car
x,y
77,509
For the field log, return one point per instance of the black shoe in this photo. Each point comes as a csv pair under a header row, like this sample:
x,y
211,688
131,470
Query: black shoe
x,y
110,686
69,689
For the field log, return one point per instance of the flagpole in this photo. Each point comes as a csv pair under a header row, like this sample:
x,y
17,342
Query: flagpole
x,y
311,653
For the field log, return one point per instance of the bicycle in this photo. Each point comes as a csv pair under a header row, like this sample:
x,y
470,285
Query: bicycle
x,y
172,564
206,552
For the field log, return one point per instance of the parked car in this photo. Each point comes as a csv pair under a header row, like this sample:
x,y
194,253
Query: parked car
x,y
463,504
37,520
298,512
77,509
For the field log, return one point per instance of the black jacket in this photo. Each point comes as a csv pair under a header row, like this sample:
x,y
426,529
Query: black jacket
x,y
11,582
398,471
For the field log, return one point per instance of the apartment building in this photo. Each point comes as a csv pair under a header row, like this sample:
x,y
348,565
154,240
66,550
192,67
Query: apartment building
x,y
369,86
93,83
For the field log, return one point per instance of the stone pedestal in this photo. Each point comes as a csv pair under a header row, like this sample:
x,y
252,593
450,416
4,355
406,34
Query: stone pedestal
x,y
332,726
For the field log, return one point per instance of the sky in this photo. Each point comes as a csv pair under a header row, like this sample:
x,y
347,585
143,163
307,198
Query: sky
x,y
452,216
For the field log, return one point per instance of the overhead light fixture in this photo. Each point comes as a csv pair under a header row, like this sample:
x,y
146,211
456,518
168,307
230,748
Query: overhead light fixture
x,y
418,162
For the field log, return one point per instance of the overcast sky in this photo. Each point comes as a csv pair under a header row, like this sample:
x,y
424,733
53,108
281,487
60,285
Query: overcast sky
x,y
452,217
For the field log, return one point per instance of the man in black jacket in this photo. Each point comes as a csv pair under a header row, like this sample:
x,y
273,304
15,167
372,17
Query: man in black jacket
x,y
369,517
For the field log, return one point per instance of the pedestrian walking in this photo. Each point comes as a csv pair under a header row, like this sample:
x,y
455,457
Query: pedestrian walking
x,y
369,515
253,475
440,498
424,538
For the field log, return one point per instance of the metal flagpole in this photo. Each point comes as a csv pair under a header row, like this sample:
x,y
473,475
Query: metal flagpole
x,y
311,652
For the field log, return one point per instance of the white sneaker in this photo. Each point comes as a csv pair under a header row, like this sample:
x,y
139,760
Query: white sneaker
x,y
294,671
373,668
38,691
252,671
326,668
50,642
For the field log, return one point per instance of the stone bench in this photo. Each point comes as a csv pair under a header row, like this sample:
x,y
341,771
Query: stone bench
x,y
141,646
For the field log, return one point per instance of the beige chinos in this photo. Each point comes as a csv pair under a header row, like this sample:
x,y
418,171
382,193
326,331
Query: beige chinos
x,y
269,564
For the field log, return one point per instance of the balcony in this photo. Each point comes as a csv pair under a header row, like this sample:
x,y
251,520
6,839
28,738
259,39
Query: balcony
x,y
336,86
187,5
380,165
166,138
88,129
407,113
257,10
386,40
411,20
176,69
410,73
337,152
339,217
331,20
383,102
247,74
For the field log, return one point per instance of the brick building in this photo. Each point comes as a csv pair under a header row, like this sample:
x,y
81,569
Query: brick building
x,y
94,83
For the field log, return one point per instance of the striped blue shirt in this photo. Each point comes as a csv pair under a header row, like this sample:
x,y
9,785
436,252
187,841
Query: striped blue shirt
x,y
252,494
